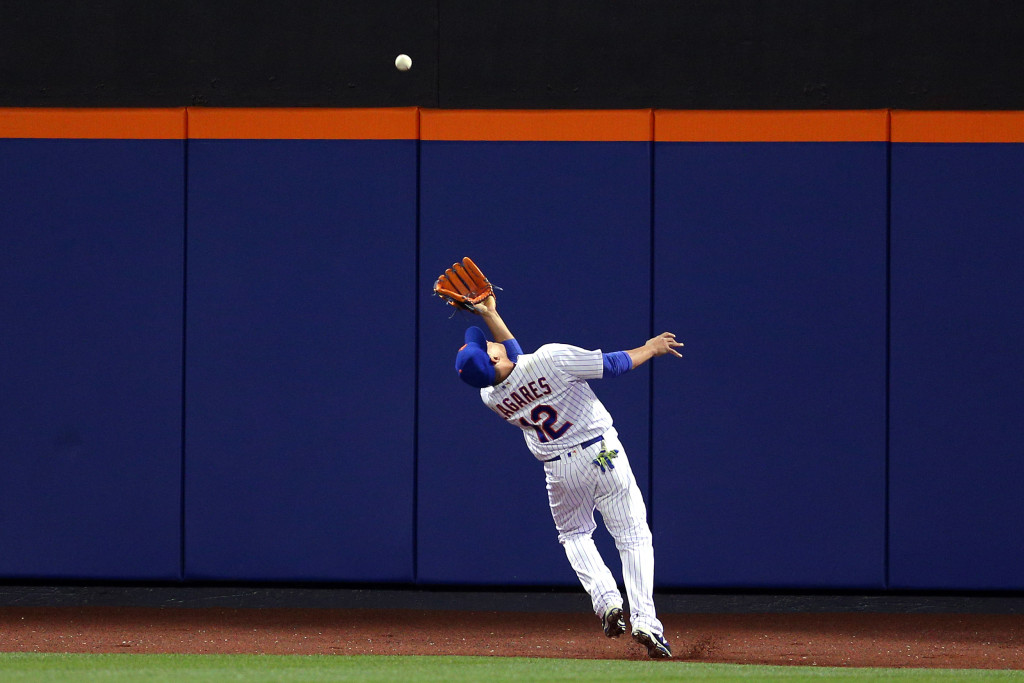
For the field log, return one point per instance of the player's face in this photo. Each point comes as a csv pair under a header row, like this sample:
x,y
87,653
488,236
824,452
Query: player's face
x,y
499,358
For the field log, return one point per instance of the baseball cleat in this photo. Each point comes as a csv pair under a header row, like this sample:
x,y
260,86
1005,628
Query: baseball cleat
x,y
612,622
657,646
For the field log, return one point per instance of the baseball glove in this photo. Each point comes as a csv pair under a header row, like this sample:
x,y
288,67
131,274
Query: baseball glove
x,y
463,285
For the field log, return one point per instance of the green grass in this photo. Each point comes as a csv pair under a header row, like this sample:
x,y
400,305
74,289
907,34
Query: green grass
x,y
110,668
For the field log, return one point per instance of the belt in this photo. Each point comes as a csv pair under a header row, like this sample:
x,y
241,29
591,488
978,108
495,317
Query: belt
x,y
586,444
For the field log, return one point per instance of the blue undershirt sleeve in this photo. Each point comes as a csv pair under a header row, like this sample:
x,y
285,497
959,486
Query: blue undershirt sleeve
x,y
616,363
512,349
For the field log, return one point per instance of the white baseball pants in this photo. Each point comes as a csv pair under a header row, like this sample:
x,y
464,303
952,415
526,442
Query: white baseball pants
x,y
576,487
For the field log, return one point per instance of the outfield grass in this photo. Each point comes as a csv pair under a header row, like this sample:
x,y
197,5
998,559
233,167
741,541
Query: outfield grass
x,y
110,668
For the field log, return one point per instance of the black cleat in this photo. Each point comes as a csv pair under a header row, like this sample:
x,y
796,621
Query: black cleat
x,y
612,622
657,646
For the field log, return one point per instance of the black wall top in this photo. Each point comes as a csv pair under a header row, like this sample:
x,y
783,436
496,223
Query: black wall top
x,y
606,54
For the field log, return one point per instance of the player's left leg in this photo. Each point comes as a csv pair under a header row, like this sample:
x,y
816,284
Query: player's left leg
x,y
570,496
622,506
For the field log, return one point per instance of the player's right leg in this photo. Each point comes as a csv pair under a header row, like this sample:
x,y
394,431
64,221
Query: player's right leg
x,y
625,515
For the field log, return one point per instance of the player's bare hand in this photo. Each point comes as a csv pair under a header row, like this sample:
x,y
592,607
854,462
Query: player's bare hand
x,y
663,344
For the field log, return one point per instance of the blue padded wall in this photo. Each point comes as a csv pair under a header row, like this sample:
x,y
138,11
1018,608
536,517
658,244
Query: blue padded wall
x,y
556,224
769,444
91,279
330,440
299,392
957,395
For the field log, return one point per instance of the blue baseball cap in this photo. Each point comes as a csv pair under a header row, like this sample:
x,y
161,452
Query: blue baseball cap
x,y
473,362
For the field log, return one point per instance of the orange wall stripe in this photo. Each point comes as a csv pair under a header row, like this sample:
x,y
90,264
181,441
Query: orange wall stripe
x,y
410,123
958,126
771,126
628,125
303,124
114,124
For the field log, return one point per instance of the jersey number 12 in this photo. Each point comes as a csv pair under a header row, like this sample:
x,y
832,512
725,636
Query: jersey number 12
x,y
544,418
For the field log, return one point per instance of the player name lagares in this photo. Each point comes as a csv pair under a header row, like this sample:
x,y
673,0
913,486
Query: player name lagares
x,y
523,396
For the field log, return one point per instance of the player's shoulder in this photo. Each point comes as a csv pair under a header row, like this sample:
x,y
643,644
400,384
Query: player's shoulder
x,y
563,349
549,349
563,354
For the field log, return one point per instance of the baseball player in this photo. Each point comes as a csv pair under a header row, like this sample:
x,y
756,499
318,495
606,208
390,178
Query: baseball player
x,y
567,428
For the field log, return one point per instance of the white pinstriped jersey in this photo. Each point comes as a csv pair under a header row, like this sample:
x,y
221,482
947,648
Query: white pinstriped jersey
x,y
548,397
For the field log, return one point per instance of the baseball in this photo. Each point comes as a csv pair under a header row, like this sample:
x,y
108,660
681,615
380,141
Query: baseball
x,y
403,62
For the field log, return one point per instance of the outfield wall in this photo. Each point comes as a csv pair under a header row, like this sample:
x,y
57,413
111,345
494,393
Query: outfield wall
x,y
222,360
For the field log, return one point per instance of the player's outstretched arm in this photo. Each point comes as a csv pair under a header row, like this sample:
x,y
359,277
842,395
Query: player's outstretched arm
x,y
488,310
665,343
